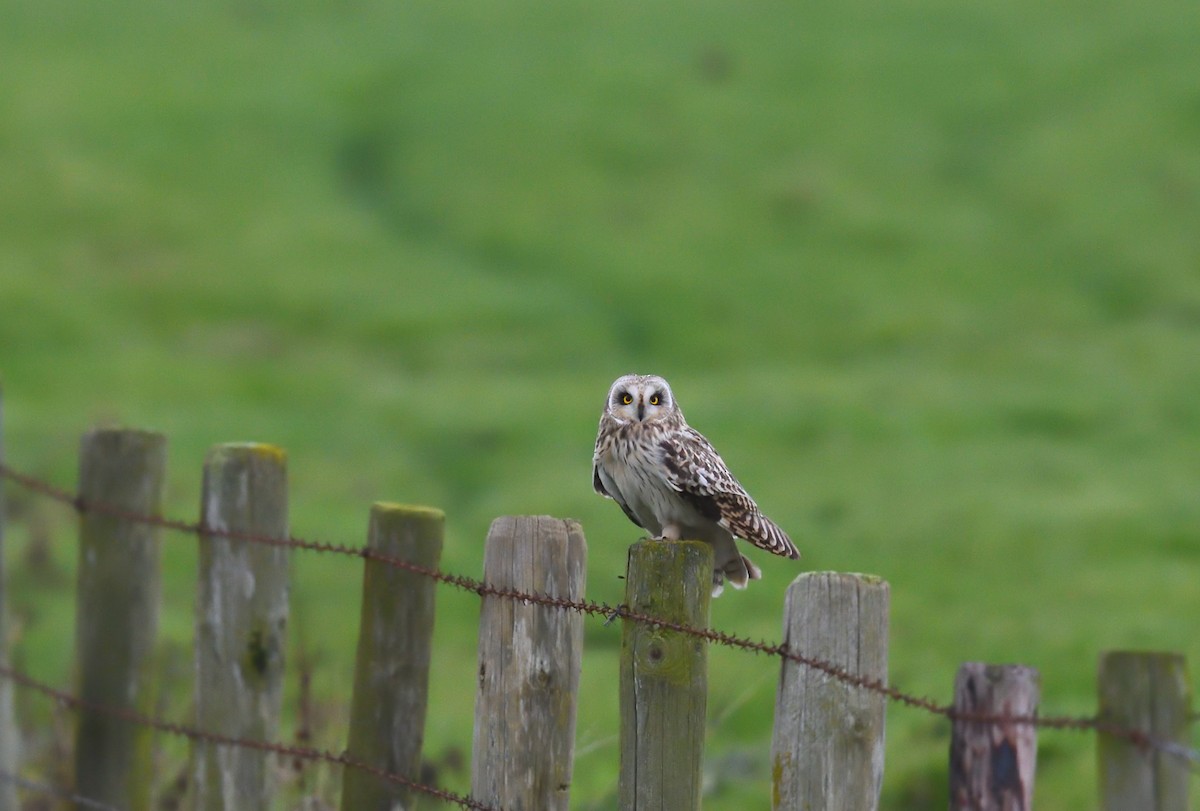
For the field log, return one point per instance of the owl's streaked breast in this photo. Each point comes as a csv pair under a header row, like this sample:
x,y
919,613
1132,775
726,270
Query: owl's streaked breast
x,y
632,465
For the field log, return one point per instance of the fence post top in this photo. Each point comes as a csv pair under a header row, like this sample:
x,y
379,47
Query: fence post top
x,y
656,544
865,579
502,520
118,434
382,508
990,667
1166,656
261,450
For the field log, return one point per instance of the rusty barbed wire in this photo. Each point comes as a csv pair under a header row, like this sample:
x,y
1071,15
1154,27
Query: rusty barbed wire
x,y
1137,737
192,733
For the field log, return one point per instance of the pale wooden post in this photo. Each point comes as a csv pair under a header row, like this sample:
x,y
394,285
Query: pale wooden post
x,y
992,764
8,729
664,676
827,747
391,675
529,661
117,611
241,623
1147,692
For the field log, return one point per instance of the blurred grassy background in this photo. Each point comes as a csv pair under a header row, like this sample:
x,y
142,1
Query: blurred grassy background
x,y
927,274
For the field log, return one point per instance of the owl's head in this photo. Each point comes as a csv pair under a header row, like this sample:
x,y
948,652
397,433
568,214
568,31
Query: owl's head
x,y
641,398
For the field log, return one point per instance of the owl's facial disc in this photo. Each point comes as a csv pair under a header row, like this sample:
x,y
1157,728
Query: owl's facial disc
x,y
640,399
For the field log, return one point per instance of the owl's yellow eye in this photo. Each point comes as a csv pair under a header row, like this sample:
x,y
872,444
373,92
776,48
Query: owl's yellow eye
x,y
626,398
654,399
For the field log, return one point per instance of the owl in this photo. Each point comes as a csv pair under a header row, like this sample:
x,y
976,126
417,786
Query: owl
x,y
670,480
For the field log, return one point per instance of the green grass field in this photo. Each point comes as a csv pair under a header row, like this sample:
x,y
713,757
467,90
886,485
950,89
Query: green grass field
x,y
928,275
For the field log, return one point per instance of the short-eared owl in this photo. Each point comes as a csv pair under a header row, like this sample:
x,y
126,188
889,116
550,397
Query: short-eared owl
x,y
671,481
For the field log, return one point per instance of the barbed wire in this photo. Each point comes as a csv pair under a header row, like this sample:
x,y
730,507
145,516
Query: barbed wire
x,y
192,733
1137,737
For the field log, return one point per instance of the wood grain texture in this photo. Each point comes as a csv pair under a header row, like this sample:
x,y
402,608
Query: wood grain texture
x,y
241,624
117,612
529,663
992,766
391,674
664,676
1150,692
827,746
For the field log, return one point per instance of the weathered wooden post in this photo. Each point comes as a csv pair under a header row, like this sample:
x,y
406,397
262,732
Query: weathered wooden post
x,y
391,674
241,623
1147,692
827,747
8,729
664,676
529,661
117,611
992,764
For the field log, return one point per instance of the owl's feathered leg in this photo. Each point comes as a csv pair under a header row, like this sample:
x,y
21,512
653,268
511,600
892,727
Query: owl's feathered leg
x,y
739,571
731,565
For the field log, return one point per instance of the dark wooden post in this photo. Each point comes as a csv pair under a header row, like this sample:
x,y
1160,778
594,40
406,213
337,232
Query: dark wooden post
x,y
391,674
241,624
1148,692
8,729
827,748
992,764
117,612
529,662
664,676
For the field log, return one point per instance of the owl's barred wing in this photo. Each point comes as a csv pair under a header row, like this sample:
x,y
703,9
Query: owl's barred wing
x,y
598,484
612,493
696,470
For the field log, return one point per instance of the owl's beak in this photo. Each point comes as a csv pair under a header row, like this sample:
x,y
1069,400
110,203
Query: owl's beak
x,y
641,410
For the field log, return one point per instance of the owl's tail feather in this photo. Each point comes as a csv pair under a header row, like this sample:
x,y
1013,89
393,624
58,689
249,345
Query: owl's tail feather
x,y
740,570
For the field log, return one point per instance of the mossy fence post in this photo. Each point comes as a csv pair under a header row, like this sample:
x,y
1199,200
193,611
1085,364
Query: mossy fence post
x,y
992,765
1148,692
117,612
664,676
391,673
241,624
529,663
827,746
8,730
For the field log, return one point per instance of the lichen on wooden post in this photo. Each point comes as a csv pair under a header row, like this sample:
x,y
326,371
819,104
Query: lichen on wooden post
x,y
827,747
8,730
1148,692
992,764
117,611
664,676
391,673
241,623
529,664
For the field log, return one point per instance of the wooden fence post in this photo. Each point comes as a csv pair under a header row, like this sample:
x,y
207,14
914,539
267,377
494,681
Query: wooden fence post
x,y
117,612
8,729
241,623
391,674
664,676
992,764
529,661
1147,692
827,747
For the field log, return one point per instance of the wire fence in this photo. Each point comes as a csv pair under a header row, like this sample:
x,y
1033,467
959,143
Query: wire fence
x,y
304,753
1137,737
